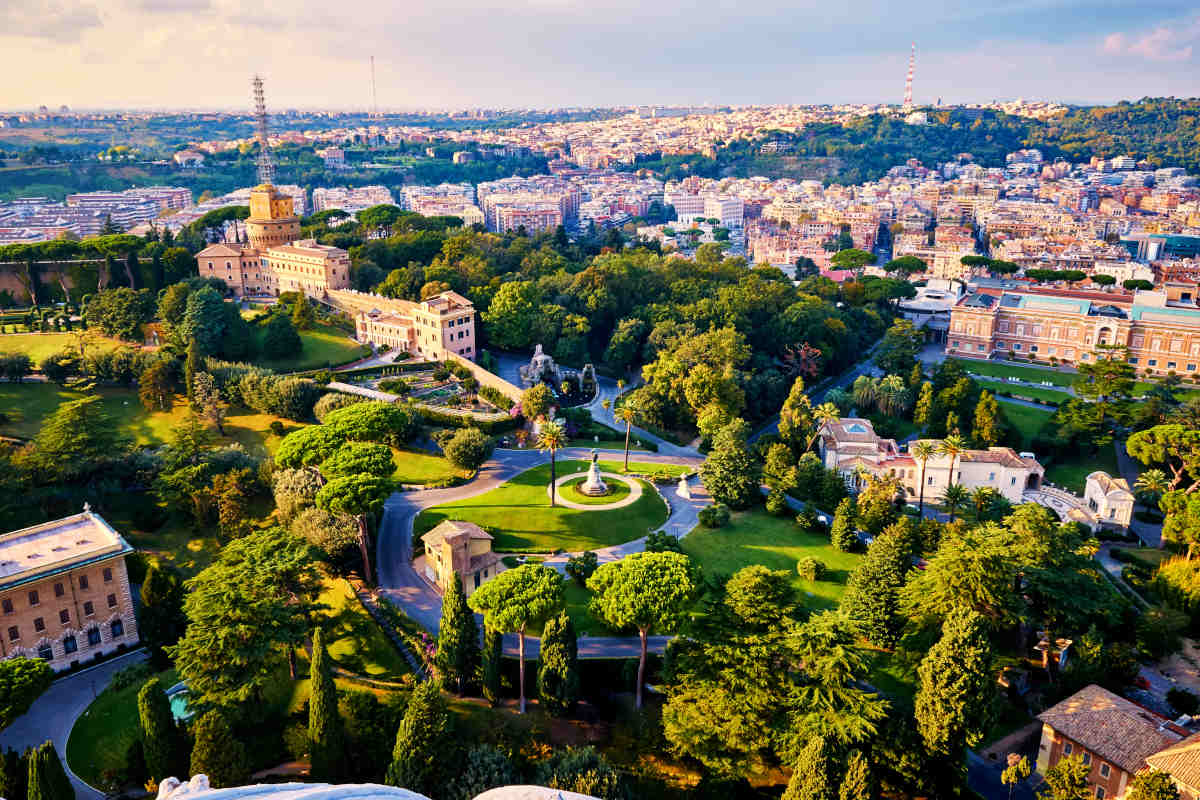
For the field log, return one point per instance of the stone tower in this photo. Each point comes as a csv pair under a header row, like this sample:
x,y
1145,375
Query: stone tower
x,y
272,219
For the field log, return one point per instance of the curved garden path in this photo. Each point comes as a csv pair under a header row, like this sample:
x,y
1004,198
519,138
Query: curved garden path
x,y
400,583
635,492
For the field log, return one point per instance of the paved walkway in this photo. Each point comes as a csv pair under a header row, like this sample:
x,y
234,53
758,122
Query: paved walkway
x,y
54,713
400,583
635,492
1130,469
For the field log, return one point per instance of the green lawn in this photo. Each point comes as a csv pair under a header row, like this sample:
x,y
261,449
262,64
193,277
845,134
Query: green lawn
x,y
418,467
617,491
1027,421
1032,392
40,345
322,345
1035,374
105,730
756,537
1072,475
1151,557
356,643
519,515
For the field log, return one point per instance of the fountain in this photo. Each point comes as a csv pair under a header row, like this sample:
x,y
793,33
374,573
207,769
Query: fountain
x,y
594,485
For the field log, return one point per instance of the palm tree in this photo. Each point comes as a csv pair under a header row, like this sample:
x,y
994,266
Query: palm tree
x,y
954,498
865,393
923,451
953,446
826,412
552,437
627,414
892,392
982,498
1151,485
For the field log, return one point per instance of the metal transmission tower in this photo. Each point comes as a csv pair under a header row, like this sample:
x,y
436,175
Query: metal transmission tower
x,y
374,94
912,61
266,165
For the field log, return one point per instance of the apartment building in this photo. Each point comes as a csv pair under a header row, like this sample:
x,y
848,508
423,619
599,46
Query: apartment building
x,y
351,200
433,328
1161,329
64,592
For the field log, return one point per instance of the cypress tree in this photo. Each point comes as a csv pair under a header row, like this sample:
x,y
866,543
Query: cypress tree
x,y
14,774
873,591
47,778
988,430
492,654
857,783
458,640
812,774
842,534
324,724
190,368
558,673
956,686
134,269
923,411
161,620
217,753
160,741
419,760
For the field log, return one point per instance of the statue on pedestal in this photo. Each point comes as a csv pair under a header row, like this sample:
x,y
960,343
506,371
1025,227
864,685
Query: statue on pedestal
x,y
684,490
594,485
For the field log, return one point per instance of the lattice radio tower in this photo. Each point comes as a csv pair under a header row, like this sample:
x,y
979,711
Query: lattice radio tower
x,y
912,61
266,165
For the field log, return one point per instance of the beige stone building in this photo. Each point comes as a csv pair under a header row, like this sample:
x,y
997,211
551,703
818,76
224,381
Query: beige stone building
x,y
273,220
460,551
850,445
1109,499
433,328
64,592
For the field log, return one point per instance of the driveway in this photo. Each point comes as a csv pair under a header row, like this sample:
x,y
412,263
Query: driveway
x,y
400,583
1130,469
54,713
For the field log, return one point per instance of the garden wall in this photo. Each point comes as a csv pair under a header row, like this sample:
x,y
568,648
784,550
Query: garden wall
x,y
486,378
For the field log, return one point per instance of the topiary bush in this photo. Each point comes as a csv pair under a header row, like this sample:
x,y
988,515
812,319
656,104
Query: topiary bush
x,y
715,516
810,569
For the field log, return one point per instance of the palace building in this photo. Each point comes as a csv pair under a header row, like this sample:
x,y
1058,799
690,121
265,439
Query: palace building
x,y
64,592
433,328
1161,329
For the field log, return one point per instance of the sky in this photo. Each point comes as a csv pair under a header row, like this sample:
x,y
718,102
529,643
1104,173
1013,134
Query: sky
x,y
555,53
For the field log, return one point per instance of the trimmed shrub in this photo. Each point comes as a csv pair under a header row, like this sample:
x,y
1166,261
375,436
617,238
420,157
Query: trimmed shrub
x,y
810,569
715,516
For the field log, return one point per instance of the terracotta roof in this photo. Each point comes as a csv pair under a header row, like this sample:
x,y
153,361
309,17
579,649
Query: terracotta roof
x,y
483,560
995,455
451,530
1182,760
1115,729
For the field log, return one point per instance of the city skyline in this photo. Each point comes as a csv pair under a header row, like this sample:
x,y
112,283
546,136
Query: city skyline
x,y
556,53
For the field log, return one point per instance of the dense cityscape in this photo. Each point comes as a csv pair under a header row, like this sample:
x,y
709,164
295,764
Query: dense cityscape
x,y
680,451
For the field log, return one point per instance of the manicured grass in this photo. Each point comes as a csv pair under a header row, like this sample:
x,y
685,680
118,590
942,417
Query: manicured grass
x,y
322,345
756,537
1031,392
1027,421
1034,374
519,515
105,730
40,345
356,643
1072,475
617,491
418,467
1149,556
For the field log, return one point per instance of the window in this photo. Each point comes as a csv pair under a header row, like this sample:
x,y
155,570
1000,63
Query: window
x,y
991,477
39,624
1016,345
88,608
94,636
1067,748
1099,793
107,575
1153,362
70,645
7,605
64,616
1104,770
476,580
45,653
14,633
83,582
1033,348
112,601
58,590
118,629
1171,365
1087,758
33,598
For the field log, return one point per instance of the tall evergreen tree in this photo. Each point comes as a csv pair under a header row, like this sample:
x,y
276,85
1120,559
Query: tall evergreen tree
x,y
558,672
813,773
796,417
873,592
47,778
857,783
491,670
731,473
458,640
14,774
956,686
217,754
425,736
923,411
191,367
160,738
842,533
325,737
988,430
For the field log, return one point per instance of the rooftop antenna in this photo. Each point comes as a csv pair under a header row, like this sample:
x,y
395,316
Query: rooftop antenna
x,y
374,94
266,165
912,60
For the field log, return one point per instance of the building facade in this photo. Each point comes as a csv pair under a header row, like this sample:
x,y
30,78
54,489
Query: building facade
x,y
64,592
460,551
272,220
434,328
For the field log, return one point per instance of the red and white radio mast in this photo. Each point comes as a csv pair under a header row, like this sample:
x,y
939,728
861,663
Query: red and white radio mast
x,y
912,60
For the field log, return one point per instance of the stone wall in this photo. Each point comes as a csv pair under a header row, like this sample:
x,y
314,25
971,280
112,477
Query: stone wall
x,y
486,378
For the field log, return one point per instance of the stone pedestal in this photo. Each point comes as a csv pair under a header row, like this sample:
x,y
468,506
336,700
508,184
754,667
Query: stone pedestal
x,y
594,485
684,490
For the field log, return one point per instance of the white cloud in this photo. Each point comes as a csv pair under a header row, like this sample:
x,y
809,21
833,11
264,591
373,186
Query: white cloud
x,y
1162,44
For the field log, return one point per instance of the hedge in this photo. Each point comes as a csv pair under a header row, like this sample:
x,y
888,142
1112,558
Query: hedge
x,y
497,424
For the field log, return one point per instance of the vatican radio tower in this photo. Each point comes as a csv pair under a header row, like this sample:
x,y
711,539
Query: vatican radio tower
x,y
266,166
912,61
